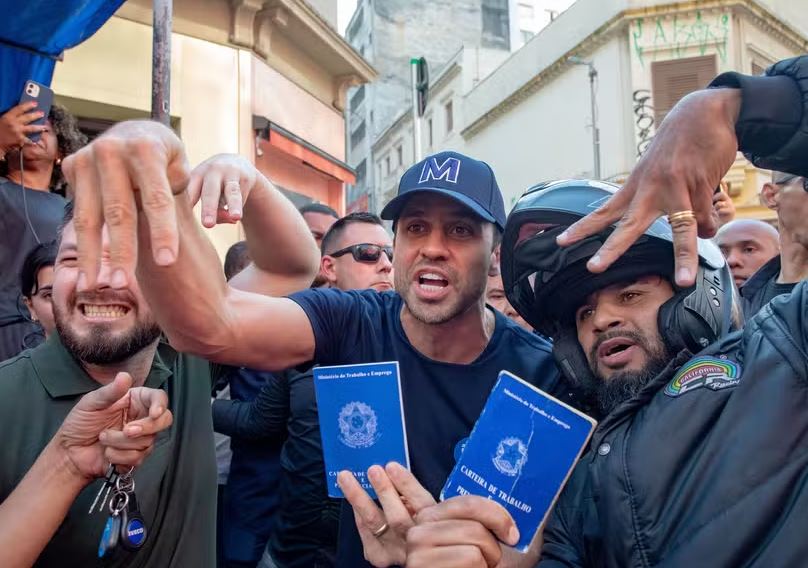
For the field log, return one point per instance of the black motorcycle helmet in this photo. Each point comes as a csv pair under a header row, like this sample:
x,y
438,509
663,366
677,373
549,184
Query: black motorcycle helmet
x,y
547,283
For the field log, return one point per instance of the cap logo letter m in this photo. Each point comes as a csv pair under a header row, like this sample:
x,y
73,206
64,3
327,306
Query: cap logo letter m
x,y
448,170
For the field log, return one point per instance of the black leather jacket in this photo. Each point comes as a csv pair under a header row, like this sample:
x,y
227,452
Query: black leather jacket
x,y
707,466
772,126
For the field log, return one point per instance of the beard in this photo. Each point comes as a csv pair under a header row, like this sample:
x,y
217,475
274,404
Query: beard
x,y
446,310
97,345
606,394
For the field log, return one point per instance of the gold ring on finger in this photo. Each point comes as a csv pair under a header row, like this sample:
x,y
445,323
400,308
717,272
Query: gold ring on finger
x,y
681,217
381,530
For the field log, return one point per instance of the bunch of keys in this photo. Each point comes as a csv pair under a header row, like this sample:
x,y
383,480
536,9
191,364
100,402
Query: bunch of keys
x,y
125,526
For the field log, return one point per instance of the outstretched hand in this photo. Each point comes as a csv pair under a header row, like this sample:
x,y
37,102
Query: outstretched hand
x,y
693,148
223,183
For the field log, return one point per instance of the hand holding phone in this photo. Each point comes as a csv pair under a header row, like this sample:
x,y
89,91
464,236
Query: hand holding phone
x,y
17,125
42,95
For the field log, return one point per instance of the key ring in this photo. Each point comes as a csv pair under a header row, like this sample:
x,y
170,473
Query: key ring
x,y
118,503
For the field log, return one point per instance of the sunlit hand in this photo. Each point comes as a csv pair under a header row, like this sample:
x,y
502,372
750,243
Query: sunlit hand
x,y
224,183
692,150
135,168
384,531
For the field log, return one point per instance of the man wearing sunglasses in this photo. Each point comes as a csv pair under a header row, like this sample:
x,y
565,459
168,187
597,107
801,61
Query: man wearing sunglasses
x,y
787,195
358,254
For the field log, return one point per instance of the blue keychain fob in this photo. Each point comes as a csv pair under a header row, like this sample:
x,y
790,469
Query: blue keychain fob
x,y
133,527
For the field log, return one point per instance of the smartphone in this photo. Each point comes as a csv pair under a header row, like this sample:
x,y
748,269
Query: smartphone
x,y
43,96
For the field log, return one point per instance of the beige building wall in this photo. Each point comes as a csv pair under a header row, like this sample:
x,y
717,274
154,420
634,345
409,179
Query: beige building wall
x,y
290,67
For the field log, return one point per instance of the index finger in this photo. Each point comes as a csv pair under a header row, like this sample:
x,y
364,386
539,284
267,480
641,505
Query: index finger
x,y
599,219
363,506
153,401
148,426
488,513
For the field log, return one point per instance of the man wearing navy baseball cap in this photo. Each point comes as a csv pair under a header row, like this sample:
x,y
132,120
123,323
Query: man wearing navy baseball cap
x,y
449,345
454,175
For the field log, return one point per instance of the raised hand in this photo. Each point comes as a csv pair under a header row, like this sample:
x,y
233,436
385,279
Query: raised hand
x,y
15,125
692,150
384,531
223,183
135,168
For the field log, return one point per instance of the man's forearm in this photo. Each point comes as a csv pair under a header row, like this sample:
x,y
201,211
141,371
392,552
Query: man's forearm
x,y
32,513
279,241
187,298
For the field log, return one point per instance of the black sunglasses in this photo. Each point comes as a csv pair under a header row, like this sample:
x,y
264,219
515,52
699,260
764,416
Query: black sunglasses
x,y
365,252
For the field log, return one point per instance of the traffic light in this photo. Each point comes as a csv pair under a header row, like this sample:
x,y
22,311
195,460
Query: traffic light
x,y
421,83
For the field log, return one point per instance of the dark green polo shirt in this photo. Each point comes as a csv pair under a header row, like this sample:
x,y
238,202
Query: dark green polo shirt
x,y
175,486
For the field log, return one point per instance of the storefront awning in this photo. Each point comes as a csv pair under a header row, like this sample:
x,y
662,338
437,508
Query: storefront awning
x,y
292,145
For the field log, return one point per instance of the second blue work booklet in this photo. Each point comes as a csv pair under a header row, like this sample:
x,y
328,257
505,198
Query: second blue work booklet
x,y
361,420
520,453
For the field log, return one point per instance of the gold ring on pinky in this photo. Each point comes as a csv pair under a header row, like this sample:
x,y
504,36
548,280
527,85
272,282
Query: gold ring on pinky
x,y
685,216
381,530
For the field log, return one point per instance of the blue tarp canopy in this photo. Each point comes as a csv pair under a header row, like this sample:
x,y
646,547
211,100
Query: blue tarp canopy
x,y
34,33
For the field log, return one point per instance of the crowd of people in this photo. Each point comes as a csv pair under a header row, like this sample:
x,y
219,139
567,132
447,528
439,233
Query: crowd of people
x,y
130,349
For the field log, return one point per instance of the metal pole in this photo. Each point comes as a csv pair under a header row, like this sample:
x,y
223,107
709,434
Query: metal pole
x,y
161,62
416,120
593,73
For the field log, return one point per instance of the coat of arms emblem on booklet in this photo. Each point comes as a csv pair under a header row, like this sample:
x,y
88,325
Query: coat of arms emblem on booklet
x,y
361,420
520,453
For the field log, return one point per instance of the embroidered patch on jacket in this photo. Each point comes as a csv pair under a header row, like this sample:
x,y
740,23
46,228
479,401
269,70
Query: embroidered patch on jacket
x,y
710,372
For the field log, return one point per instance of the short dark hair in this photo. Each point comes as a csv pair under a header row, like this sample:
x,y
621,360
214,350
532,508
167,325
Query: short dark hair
x,y
41,256
335,232
318,208
236,259
67,217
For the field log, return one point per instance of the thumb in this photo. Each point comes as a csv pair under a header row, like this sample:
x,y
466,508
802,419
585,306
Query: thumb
x,y
107,395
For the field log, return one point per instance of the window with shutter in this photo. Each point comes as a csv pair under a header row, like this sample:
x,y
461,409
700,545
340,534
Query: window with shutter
x,y
672,80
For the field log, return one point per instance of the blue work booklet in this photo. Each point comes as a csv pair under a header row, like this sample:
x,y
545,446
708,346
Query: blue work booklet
x,y
361,420
520,453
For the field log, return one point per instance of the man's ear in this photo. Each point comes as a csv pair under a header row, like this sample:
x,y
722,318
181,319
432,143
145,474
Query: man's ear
x,y
770,195
328,268
30,306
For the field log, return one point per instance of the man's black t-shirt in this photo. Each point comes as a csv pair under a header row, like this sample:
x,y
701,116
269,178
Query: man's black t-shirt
x,y
45,211
442,401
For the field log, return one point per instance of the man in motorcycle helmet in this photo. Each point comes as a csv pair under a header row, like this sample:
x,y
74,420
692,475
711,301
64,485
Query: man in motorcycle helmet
x,y
700,457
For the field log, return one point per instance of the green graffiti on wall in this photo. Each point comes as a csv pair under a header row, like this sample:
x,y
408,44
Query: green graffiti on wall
x,y
685,38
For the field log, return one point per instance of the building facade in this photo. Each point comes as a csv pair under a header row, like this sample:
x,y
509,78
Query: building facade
x,y
443,119
531,118
391,32
263,78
